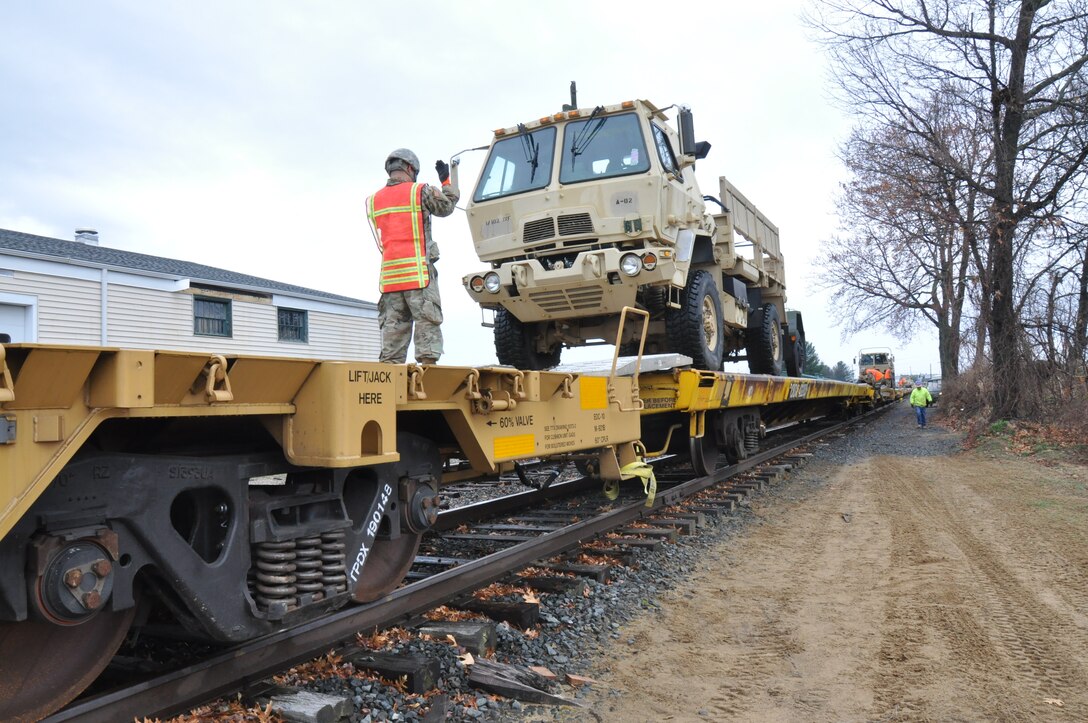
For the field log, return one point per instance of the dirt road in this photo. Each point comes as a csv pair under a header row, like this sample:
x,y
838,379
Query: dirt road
x,y
894,587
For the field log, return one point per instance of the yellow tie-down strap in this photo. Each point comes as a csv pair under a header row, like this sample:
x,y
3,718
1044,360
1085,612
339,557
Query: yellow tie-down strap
x,y
639,468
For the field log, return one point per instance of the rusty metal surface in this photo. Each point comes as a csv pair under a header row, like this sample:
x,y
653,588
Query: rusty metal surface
x,y
691,390
43,666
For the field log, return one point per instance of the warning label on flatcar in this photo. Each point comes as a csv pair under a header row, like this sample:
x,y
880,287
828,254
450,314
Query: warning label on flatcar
x,y
560,436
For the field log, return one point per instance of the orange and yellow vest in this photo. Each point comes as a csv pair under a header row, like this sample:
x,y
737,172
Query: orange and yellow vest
x,y
397,213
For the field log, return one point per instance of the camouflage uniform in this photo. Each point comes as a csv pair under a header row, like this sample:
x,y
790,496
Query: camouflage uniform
x,y
397,310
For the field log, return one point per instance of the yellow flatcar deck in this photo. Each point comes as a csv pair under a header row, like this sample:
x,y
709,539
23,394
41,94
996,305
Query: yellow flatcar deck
x,y
336,414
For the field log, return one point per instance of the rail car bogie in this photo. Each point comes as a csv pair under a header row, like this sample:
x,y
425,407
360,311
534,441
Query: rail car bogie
x,y
235,545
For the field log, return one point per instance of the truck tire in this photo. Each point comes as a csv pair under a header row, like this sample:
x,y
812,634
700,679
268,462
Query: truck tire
x,y
764,342
696,328
515,344
795,344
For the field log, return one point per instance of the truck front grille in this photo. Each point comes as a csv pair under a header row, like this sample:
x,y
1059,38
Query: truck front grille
x,y
560,301
574,224
543,229
539,230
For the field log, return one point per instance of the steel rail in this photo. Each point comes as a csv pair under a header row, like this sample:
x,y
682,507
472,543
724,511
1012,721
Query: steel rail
x,y
239,666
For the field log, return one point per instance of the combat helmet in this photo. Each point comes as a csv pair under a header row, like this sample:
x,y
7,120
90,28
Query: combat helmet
x,y
400,158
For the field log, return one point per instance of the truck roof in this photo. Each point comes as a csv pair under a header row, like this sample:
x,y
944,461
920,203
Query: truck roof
x,y
580,113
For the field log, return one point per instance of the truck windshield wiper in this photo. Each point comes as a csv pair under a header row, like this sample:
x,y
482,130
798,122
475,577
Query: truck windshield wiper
x,y
532,150
585,136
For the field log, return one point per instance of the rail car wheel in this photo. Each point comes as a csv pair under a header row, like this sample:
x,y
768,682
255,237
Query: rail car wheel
x,y
696,328
764,342
43,665
389,562
516,344
391,506
704,450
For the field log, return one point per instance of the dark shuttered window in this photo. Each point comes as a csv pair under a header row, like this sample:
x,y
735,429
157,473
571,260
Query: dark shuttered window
x,y
211,317
293,325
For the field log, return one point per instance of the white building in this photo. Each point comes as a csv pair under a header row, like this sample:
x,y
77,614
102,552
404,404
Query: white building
x,y
77,292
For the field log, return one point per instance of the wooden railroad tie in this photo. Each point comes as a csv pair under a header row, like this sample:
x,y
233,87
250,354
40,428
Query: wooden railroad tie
x,y
600,573
520,614
419,673
295,704
476,636
514,681
555,583
682,526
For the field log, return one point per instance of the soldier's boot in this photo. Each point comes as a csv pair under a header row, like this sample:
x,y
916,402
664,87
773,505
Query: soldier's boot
x,y
428,360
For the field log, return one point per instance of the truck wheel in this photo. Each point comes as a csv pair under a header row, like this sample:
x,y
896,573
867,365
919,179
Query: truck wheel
x,y
696,328
515,344
795,345
764,343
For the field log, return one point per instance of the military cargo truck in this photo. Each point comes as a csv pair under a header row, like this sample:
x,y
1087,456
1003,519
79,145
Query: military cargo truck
x,y
876,366
586,211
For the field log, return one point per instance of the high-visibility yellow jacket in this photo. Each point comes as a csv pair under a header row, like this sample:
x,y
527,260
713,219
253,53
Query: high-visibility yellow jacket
x,y
920,397
397,213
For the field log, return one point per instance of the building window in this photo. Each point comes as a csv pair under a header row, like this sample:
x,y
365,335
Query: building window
x,y
292,325
211,317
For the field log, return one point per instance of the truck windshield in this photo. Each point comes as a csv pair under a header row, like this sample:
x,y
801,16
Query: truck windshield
x,y
597,148
517,164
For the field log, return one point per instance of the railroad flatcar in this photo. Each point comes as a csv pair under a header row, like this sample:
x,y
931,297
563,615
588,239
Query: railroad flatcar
x,y
240,495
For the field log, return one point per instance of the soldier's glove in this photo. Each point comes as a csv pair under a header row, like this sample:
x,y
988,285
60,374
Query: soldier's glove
x,y
443,169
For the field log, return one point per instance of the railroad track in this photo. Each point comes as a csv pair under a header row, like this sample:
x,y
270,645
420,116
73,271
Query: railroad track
x,y
233,669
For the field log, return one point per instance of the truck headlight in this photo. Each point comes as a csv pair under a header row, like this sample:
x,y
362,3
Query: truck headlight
x,y
649,261
476,284
630,264
491,282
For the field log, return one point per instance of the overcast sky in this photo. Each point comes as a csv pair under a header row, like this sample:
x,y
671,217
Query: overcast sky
x,y
246,135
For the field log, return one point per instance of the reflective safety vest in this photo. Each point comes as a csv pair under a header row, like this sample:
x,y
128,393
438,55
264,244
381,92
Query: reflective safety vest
x,y
397,213
879,376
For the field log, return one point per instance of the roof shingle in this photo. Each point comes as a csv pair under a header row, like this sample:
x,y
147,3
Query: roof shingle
x,y
25,244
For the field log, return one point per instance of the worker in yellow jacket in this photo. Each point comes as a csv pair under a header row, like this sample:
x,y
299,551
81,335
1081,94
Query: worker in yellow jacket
x,y
920,398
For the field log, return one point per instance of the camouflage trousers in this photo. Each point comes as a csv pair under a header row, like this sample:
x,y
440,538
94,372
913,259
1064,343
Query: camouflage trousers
x,y
398,311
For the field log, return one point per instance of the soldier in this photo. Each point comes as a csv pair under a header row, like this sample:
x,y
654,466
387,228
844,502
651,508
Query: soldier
x,y
400,217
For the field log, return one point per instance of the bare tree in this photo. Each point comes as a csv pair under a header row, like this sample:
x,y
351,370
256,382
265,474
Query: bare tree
x,y
908,249
1018,63
1056,303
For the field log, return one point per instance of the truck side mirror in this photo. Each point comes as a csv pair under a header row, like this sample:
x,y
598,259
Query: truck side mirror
x,y
690,151
687,132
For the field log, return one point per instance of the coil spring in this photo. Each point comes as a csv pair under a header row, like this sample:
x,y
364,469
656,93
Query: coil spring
x,y
751,440
275,583
334,561
308,568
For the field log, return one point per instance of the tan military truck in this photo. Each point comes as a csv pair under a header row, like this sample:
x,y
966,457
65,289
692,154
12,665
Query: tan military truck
x,y
876,367
586,211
